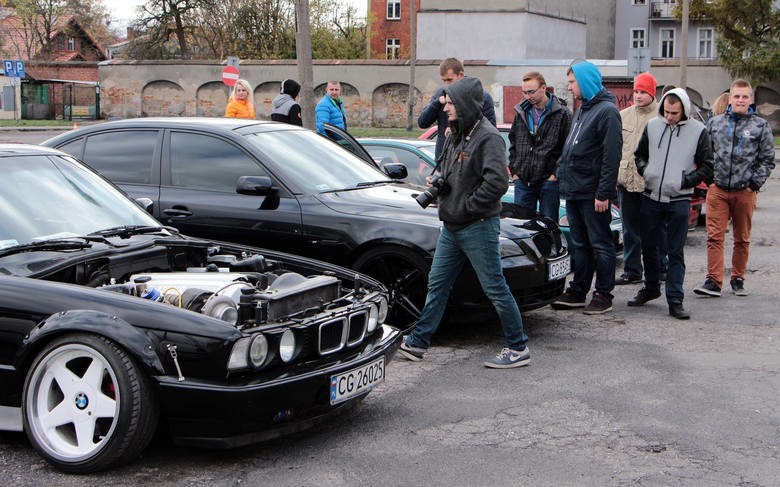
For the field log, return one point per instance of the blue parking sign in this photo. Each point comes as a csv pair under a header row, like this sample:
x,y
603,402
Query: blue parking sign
x,y
20,69
8,68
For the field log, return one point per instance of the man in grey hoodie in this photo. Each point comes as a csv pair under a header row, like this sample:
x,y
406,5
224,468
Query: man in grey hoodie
x,y
673,155
473,170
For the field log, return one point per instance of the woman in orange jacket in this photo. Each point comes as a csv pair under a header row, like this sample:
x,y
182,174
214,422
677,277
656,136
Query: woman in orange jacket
x,y
240,103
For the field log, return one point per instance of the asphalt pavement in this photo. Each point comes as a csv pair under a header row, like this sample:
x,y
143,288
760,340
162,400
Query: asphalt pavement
x,y
632,397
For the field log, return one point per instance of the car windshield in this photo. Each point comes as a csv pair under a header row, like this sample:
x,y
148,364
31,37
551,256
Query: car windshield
x,y
50,197
313,162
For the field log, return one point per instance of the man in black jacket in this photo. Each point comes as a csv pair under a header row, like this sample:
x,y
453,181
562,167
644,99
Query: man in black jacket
x,y
473,170
587,180
451,70
535,143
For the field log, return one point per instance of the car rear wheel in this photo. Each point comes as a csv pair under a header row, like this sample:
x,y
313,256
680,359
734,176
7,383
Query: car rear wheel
x,y
405,274
86,405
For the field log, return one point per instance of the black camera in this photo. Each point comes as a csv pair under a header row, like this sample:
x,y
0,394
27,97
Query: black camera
x,y
438,186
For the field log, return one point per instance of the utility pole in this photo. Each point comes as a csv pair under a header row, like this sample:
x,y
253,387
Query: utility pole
x,y
303,56
412,62
684,45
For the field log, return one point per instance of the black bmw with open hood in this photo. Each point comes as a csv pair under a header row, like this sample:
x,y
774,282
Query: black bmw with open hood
x,y
110,321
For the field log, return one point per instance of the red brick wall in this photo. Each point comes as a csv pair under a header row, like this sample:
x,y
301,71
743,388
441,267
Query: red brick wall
x,y
383,29
76,71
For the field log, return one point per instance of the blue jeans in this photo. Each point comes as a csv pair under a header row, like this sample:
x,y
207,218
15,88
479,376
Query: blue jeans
x,y
478,243
591,238
545,193
673,216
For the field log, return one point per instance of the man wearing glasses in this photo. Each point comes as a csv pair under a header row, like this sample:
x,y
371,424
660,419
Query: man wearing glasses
x,y
536,141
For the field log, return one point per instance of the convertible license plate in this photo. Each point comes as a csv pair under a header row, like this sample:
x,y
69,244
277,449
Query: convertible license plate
x,y
558,269
356,381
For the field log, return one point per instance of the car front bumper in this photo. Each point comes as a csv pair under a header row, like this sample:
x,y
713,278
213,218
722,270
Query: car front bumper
x,y
228,415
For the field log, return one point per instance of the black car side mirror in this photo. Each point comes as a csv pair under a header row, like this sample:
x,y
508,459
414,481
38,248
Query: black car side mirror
x,y
395,170
256,186
147,204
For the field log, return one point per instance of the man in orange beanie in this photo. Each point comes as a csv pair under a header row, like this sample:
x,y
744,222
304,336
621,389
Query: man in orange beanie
x,y
630,183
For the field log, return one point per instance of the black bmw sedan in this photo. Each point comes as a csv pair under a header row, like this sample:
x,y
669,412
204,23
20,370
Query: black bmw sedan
x,y
112,324
284,187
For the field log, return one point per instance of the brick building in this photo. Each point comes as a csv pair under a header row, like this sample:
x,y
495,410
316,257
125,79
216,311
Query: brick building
x,y
61,76
389,29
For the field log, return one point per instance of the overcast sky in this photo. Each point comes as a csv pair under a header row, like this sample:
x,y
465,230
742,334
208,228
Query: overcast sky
x,y
123,11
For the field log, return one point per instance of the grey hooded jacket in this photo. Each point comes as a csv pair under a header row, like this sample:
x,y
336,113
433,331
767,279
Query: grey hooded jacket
x,y
473,160
673,159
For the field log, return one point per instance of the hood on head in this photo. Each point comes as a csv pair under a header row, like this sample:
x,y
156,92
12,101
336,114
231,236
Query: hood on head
x,y
588,78
468,96
683,96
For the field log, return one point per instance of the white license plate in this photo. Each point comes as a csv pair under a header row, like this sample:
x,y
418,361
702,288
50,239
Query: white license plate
x,y
558,269
356,381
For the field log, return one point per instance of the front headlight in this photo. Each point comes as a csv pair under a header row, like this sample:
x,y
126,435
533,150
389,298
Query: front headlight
x,y
258,350
287,346
239,355
373,317
382,310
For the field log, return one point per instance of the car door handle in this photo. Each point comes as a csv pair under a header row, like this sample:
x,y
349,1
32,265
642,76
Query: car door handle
x,y
173,212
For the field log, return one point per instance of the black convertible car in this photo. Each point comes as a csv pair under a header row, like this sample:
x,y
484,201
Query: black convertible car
x,y
111,323
284,187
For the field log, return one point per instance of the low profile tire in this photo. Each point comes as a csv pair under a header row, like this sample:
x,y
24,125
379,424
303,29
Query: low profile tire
x,y
404,274
86,405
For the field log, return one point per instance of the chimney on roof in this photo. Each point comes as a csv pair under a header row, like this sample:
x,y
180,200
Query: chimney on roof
x,y
130,33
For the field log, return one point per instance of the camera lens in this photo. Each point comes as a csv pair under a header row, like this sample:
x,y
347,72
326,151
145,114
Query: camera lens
x,y
426,197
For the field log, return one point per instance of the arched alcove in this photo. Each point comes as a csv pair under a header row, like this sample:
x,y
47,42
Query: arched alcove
x,y
211,99
390,105
768,106
264,97
162,99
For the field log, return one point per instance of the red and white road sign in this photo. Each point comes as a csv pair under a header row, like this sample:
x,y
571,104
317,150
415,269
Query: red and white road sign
x,y
229,75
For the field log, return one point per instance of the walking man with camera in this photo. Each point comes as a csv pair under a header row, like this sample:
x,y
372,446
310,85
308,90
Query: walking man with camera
x,y
472,172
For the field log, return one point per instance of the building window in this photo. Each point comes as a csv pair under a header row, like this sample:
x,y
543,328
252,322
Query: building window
x,y
667,43
639,2
71,43
705,44
393,9
638,38
392,48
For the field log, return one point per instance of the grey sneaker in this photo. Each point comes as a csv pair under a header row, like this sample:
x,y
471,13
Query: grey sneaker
x,y
738,286
508,358
709,288
410,352
600,304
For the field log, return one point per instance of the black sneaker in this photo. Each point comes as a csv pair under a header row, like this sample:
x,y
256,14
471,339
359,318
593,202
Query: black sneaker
x,y
643,296
677,310
569,300
410,352
600,304
624,279
709,288
738,286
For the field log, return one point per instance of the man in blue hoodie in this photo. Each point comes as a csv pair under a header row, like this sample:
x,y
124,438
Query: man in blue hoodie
x,y
473,170
587,180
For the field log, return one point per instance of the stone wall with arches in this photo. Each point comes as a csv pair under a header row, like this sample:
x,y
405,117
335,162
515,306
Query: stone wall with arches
x,y
374,91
